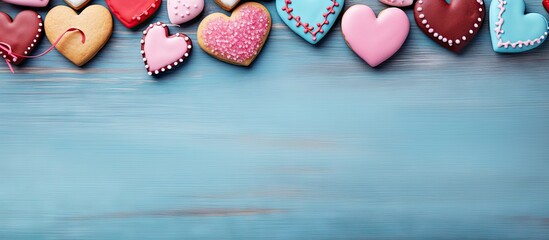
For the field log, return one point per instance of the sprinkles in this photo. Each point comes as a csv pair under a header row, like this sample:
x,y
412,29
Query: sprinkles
x,y
240,38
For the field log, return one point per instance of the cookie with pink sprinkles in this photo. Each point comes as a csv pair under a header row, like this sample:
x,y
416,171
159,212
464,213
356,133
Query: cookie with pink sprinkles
x,y
237,39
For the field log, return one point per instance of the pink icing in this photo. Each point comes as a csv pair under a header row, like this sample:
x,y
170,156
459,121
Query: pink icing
x,y
29,3
499,31
306,26
160,51
240,38
397,3
182,11
375,39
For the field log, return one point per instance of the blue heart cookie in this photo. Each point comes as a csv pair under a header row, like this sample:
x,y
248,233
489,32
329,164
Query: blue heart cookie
x,y
310,19
511,30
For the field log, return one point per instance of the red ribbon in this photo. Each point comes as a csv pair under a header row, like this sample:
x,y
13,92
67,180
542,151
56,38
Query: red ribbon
x,y
7,48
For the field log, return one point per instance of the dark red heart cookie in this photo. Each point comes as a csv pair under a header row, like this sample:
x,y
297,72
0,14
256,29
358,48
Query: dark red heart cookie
x,y
133,12
21,34
453,25
546,5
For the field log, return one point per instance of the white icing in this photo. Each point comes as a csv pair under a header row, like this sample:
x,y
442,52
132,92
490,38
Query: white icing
x,y
76,3
229,3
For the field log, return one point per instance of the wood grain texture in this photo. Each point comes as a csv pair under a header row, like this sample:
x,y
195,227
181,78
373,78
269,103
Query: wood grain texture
x,y
307,143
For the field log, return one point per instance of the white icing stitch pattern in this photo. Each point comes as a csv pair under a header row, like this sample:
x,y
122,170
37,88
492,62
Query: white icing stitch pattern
x,y
499,30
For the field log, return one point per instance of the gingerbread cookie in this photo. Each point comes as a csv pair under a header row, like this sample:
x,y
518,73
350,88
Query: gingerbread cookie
x,y
375,39
237,39
22,35
513,31
77,4
228,5
94,21
453,25
310,19
182,11
29,3
133,12
162,51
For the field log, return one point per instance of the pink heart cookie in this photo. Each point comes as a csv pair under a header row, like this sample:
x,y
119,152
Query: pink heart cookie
x,y
29,3
182,11
161,51
398,3
237,39
375,39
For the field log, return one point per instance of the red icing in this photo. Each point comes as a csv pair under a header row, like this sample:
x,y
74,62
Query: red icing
x,y
307,27
133,12
451,25
22,34
546,5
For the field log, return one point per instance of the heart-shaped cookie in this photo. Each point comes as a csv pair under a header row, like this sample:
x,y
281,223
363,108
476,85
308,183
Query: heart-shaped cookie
x,y
511,30
237,39
77,4
182,11
22,34
310,19
94,21
133,12
546,5
161,51
452,25
397,3
374,39
29,3
227,4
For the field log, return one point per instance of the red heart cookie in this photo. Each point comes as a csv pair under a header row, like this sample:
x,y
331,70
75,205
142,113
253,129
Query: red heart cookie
x,y
21,35
133,12
546,5
453,25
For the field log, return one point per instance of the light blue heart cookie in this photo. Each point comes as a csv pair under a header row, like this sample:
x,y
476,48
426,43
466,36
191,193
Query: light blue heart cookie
x,y
511,30
310,19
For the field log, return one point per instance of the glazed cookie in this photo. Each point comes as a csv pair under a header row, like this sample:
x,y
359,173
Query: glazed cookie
x,y
374,39
162,52
182,11
22,35
77,4
94,21
511,30
453,25
228,5
237,39
398,3
546,5
310,19
134,12
29,3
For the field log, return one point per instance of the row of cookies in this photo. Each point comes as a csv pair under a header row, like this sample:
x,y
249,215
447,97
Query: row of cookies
x,y
239,39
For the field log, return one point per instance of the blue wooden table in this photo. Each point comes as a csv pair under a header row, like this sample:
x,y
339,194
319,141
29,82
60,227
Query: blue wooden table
x,y
307,143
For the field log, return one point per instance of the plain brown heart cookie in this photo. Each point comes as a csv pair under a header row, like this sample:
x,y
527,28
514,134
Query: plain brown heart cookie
x,y
94,21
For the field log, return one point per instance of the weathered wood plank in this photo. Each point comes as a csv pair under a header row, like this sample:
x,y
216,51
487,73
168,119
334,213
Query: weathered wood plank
x,y
309,142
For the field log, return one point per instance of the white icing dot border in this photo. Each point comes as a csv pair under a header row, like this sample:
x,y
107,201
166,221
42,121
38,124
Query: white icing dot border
x,y
169,66
34,41
472,31
499,31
